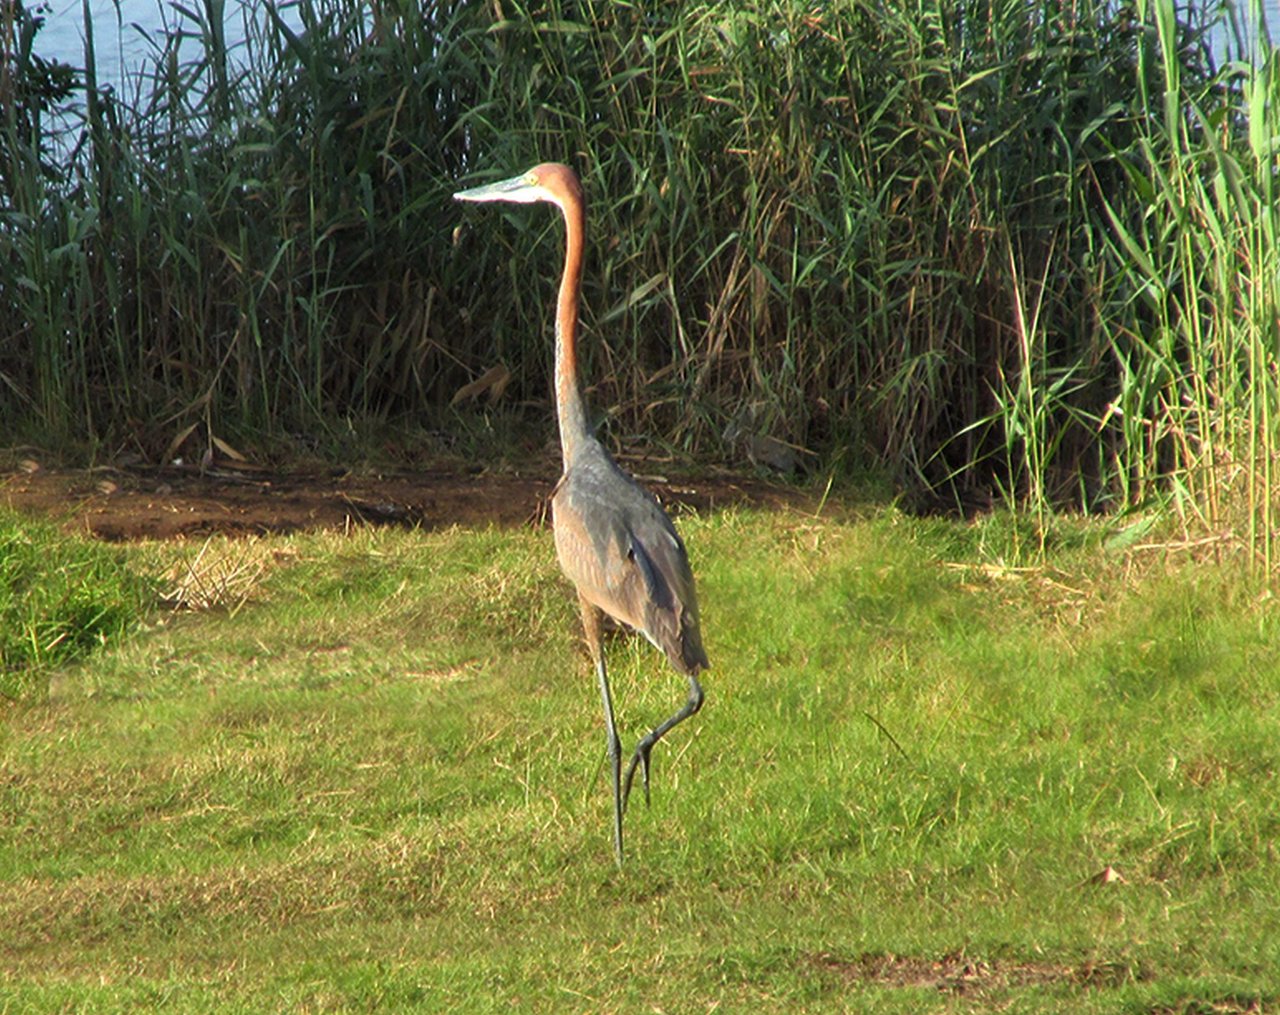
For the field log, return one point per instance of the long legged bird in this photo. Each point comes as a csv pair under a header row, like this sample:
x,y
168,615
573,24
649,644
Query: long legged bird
x,y
613,541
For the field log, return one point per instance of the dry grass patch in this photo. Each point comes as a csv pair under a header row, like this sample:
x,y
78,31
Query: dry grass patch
x,y
959,973
224,574
392,875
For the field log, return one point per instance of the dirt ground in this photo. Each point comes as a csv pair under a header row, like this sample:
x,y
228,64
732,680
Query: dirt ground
x,y
137,502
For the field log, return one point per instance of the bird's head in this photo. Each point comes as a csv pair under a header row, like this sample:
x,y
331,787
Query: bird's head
x,y
550,181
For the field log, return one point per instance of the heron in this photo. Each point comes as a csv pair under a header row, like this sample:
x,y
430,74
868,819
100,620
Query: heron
x,y
613,540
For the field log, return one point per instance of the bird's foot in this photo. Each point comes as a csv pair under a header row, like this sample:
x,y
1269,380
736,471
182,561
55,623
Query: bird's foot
x,y
639,759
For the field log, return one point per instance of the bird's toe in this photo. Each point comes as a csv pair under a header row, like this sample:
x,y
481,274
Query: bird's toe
x,y
638,760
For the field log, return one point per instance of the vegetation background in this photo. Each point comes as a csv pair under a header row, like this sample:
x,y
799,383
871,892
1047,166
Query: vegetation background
x,y
994,250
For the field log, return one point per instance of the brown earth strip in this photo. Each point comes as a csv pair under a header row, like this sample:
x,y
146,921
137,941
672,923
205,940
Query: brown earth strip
x,y
125,504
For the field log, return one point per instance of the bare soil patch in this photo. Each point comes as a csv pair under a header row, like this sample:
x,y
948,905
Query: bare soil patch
x,y
962,974
132,503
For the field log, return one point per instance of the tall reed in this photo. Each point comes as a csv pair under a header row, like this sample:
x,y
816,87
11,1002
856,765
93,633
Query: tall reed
x,y
999,250
1198,277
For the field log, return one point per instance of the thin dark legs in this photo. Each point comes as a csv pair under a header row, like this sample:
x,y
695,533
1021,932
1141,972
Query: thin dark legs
x,y
641,757
591,627
591,621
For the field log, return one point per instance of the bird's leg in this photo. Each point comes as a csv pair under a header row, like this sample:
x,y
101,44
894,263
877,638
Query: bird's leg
x,y
641,757
595,645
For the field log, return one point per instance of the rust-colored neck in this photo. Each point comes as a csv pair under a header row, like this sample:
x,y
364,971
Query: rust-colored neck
x,y
570,409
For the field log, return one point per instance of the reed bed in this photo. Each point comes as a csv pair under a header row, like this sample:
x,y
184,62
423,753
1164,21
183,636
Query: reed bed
x,y
1001,251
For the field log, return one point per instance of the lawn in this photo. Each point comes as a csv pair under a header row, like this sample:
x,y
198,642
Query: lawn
x,y
936,771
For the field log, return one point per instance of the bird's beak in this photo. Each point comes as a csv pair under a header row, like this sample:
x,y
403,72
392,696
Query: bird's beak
x,y
520,189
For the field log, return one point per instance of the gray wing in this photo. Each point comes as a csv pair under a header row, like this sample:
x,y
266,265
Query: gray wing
x,y
621,551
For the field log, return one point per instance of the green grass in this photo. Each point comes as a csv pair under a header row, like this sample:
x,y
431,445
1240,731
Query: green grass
x,y
375,784
59,599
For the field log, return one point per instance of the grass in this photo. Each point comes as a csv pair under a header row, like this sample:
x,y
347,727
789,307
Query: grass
x,y
58,601
372,781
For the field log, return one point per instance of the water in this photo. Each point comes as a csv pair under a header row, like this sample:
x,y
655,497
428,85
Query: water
x,y
119,46
116,44
120,34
